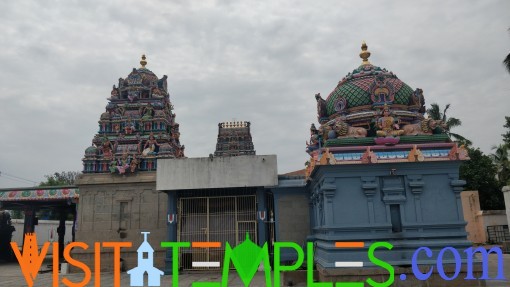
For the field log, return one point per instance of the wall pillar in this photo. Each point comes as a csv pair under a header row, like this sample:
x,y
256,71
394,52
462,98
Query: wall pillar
x,y
29,221
262,216
457,187
369,187
506,194
61,231
171,229
416,184
328,190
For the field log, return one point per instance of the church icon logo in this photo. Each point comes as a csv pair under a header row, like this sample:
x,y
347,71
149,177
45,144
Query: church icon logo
x,y
145,266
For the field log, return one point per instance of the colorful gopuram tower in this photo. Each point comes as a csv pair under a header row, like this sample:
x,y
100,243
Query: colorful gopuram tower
x,y
380,170
137,127
234,138
118,195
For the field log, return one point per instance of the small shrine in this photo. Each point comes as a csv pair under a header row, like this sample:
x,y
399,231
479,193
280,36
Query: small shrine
x,y
380,170
234,138
137,128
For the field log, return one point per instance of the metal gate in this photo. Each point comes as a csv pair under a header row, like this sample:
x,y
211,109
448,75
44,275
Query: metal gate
x,y
214,219
498,234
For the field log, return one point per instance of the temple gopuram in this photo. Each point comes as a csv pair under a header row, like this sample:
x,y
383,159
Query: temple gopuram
x,y
137,128
234,138
118,196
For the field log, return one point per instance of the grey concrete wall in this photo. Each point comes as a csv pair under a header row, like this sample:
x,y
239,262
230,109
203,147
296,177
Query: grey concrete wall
x,y
216,172
292,217
98,217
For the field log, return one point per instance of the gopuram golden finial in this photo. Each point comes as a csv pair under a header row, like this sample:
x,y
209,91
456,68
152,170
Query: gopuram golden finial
x,y
143,62
365,54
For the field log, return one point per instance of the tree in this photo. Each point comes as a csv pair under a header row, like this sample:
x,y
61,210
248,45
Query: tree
x,y
502,162
479,172
506,136
435,113
56,179
60,178
506,61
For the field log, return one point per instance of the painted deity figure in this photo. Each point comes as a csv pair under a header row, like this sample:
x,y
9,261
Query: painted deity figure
x,y
107,148
150,145
129,128
115,93
116,128
388,125
133,164
113,166
123,163
148,111
314,139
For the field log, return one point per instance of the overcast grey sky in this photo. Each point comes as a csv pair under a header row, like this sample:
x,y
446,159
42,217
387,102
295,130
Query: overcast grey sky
x,y
260,61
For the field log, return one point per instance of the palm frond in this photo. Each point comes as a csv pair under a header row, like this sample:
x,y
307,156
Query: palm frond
x,y
434,112
444,112
506,62
453,122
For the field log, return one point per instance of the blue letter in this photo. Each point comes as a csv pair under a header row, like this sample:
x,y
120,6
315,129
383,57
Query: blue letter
x,y
416,271
485,263
458,263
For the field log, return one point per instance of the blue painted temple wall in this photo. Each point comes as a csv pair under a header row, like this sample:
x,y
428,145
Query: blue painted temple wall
x,y
407,204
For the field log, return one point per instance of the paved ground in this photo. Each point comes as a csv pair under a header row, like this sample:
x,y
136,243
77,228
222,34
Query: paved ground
x,y
10,275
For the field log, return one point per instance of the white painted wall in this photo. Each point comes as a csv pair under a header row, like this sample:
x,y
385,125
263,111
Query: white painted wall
x,y
506,194
46,231
217,172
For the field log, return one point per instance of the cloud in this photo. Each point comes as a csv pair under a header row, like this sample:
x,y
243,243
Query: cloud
x,y
258,61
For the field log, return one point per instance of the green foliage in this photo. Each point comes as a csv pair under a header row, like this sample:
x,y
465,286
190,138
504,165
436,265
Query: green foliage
x,y
17,214
480,174
60,178
506,62
506,136
435,113
500,157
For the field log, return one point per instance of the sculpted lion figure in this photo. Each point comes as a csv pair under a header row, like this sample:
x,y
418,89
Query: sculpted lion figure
x,y
425,127
339,129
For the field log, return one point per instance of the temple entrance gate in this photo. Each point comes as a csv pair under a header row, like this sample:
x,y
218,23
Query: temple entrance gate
x,y
214,219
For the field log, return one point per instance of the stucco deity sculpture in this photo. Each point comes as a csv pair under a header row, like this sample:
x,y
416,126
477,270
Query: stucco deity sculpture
x,y
388,125
150,145
314,139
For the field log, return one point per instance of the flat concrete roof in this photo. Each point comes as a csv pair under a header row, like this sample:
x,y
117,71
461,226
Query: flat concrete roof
x,y
217,172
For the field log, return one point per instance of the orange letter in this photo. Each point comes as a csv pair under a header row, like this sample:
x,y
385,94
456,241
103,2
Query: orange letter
x,y
55,264
97,264
116,259
30,262
81,265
